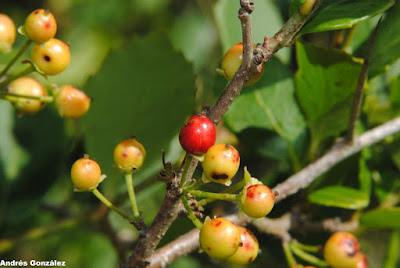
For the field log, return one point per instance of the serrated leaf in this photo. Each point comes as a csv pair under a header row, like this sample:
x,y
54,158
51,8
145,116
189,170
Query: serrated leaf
x,y
342,14
145,89
382,218
269,105
339,196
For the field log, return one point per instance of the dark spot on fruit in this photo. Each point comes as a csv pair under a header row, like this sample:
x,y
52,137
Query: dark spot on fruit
x,y
212,157
218,223
42,103
47,58
248,246
124,155
227,146
208,248
241,244
250,259
37,11
250,194
47,25
219,176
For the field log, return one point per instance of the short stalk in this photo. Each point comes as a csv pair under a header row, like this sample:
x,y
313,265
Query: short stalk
x,y
288,254
110,205
26,71
219,196
131,192
14,59
12,97
193,186
188,160
191,215
236,187
307,248
306,256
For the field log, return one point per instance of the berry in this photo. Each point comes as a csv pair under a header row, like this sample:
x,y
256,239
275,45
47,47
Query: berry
x,y
232,61
219,238
198,135
85,174
71,102
259,201
248,249
129,155
7,33
341,249
51,57
221,163
362,261
27,86
40,26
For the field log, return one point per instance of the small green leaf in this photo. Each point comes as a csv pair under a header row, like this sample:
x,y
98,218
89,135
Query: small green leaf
x,y
382,218
339,196
342,14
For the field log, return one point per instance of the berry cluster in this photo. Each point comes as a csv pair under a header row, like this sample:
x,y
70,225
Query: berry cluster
x,y
49,56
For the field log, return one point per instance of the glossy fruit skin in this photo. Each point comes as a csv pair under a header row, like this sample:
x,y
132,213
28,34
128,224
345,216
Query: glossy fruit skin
x,y
221,162
71,102
40,26
232,61
129,155
30,87
259,201
8,33
341,249
219,238
85,174
198,135
248,250
51,57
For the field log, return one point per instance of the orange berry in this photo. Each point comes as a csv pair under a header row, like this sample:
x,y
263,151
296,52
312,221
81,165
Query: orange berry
x,y
51,57
40,26
7,33
71,102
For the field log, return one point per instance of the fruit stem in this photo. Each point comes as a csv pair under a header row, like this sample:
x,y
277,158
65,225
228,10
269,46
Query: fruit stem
x,y
110,205
306,256
232,189
219,196
188,160
131,192
307,248
14,97
191,215
288,254
14,59
18,75
196,185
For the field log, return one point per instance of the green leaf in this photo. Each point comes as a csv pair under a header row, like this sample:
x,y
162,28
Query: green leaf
x,y
325,84
339,196
364,175
392,258
145,89
382,218
342,14
269,105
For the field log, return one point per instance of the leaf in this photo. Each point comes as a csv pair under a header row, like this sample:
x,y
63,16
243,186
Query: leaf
x,y
364,175
145,89
269,105
325,83
392,257
382,218
342,14
339,196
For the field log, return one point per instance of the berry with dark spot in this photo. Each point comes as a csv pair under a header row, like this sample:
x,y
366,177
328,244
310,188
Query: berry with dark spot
x,y
40,26
51,57
71,102
219,238
198,135
259,201
248,250
129,155
341,249
221,163
27,86
85,174
7,33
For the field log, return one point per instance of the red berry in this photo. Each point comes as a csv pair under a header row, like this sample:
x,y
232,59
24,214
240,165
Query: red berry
x,y
232,61
71,102
129,155
51,57
219,238
85,174
259,201
341,249
198,135
7,33
221,163
248,249
40,26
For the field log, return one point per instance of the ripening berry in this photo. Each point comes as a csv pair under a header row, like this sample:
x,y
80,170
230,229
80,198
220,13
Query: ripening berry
x,y
85,174
219,238
71,102
232,61
259,201
221,163
362,261
341,249
7,33
248,249
198,135
40,26
129,155
27,86
51,57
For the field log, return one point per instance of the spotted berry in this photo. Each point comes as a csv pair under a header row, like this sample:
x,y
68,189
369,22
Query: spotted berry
x,y
40,26
248,249
51,57
129,155
341,249
85,174
258,201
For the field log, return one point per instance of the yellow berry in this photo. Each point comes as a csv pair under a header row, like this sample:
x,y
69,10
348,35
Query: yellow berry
x,y
129,155
40,26
85,174
51,57
7,33
71,102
